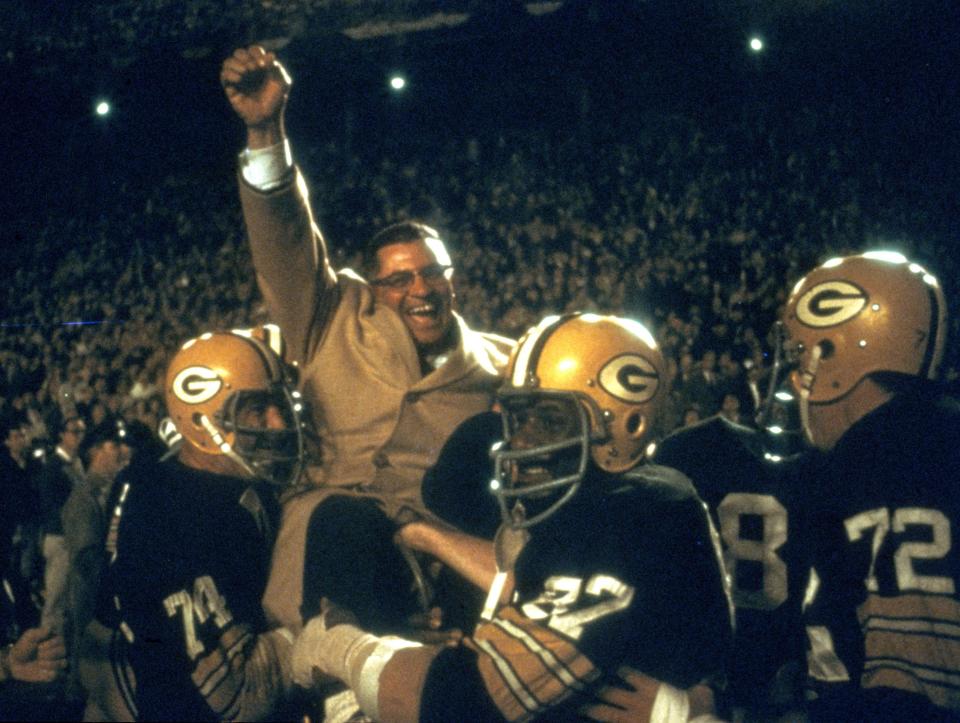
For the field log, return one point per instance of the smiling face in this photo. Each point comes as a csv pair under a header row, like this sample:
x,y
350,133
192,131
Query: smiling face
x,y
415,280
538,421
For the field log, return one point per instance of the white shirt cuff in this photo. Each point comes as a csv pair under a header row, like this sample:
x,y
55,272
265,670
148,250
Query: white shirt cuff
x,y
670,706
266,168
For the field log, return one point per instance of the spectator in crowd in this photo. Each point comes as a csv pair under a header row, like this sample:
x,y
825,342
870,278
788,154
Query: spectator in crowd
x,y
84,517
702,386
868,333
732,379
61,474
691,415
730,408
597,555
388,367
19,505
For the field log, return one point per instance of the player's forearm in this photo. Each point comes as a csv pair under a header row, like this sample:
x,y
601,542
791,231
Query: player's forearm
x,y
470,557
266,135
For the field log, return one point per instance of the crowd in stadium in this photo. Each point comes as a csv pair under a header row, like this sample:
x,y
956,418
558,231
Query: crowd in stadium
x,y
695,234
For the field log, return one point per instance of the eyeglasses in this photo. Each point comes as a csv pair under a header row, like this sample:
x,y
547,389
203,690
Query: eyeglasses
x,y
432,275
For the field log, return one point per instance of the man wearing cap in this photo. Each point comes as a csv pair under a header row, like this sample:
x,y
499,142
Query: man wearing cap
x,y
84,518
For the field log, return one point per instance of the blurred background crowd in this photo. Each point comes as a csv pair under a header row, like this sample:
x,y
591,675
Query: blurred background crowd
x,y
696,232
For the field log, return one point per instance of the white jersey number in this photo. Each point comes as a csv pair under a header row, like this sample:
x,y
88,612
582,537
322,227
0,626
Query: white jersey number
x,y
205,603
773,591
907,552
561,594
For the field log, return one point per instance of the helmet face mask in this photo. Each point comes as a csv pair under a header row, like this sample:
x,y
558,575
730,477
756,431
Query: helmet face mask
x,y
858,316
229,396
265,431
584,389
544,454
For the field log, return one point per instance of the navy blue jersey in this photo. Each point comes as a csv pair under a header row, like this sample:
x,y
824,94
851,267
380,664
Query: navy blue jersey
x,y
192,553
626,573
759,507
457,487
885,621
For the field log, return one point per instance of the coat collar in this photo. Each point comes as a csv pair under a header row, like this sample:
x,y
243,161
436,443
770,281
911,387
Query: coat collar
x,y
467,356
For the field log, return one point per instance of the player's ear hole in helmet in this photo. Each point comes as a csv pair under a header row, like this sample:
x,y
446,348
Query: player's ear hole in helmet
x,y
583,389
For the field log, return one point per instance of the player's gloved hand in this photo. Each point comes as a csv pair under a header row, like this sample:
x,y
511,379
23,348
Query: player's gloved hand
x,y
38,656
257,86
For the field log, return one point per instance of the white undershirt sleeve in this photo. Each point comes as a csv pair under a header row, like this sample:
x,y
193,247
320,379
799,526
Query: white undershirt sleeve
x,y
267,168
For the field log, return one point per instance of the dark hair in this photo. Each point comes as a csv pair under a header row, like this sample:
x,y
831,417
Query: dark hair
x,y
110,428
397,233
57,421
10,419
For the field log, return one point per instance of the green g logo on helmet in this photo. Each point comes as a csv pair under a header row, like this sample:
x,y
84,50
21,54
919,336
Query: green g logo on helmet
x,y
196,385
830,303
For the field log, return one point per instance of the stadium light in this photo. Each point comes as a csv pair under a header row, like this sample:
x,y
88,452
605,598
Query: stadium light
x,y
102,108
398,82
756,44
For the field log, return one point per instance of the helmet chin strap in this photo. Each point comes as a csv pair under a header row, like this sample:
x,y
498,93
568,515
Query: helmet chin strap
x,y
807,377
225,447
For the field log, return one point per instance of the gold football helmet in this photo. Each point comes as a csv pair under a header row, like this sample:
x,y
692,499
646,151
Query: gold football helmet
x,y
214,381
859,315
581,387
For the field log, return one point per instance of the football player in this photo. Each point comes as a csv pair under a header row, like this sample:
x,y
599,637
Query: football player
x,y
868,334
753,480
194,537
602,560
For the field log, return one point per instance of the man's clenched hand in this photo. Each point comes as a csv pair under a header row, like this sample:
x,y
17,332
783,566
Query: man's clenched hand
x,y
257,86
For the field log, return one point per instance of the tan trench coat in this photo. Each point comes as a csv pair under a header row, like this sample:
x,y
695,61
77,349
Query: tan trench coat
x,y
381,423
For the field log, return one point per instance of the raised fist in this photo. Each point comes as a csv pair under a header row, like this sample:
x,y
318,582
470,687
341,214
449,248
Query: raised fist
x,y
257,86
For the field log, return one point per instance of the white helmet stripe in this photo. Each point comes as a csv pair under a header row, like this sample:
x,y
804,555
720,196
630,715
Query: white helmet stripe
x,y
526,350
274,338
933,354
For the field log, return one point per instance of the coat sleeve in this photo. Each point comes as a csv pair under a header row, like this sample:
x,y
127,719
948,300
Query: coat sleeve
x,y
291,263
